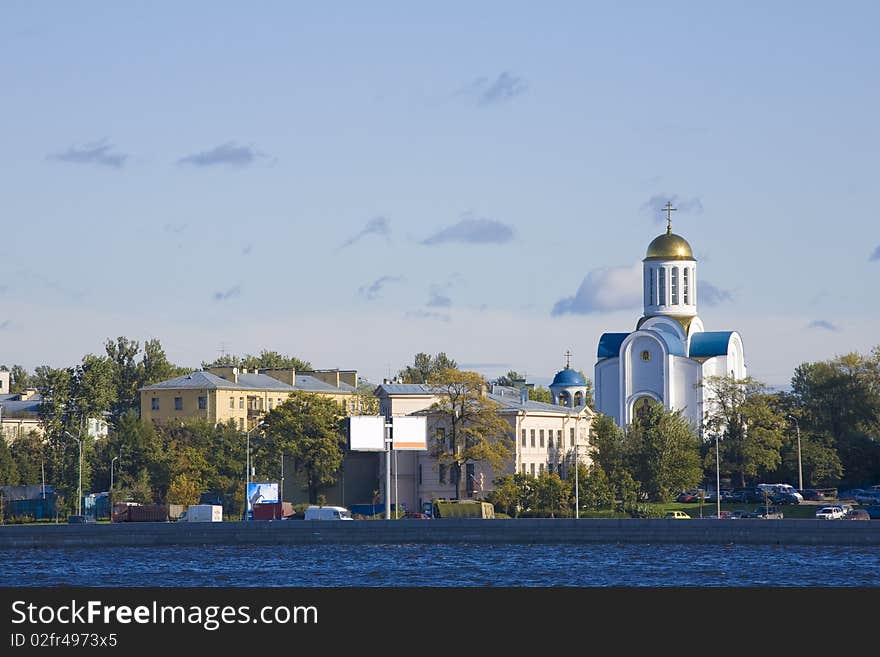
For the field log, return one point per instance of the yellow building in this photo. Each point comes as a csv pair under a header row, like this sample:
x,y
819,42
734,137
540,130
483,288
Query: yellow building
x,y
221,394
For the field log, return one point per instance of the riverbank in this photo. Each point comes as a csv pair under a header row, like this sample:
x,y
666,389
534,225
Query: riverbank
x,y
524,531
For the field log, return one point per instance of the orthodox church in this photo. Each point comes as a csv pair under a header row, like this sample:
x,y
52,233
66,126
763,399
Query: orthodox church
x,y
669,354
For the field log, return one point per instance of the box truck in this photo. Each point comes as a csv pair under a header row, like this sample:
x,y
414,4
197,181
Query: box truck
x,y
203,513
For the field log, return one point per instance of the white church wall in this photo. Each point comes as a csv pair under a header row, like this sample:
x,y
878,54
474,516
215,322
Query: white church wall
x,y
685,388
644,375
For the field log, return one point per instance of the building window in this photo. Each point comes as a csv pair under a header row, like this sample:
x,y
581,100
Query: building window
x,y
541,436
470,483
442,473
420,474
441,437
523,468
646,355
571,437
241,403
561,469
154,403
272,402
686,288
532,468
178,403
203,403
523,437
559,438
550,468
550,438
533,437
541,468
241,424
653,289
675,286
662,273
232,403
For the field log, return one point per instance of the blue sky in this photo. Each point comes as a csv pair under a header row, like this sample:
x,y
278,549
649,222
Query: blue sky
x,y
355,183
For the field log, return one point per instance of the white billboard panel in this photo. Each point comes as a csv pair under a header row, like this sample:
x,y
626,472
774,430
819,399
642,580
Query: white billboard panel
x,y
366,433
409,433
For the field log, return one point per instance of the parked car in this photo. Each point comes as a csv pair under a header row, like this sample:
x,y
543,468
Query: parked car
x,y
677,515
739,513
813,495
873,511
857,514
414,515
868,497
849,494
769,513
785,498
829,513
688,496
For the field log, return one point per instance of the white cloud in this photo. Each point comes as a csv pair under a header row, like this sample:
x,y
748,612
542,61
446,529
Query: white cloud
x,y
603,290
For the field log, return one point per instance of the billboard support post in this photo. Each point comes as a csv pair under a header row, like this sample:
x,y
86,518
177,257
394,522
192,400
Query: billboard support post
x,y
387,471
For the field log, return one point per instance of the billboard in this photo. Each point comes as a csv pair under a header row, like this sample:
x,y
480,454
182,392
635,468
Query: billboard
x,y
261,491
409,433
366,433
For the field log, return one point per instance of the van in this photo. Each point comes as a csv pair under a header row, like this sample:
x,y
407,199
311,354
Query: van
x,y
776,489
327,513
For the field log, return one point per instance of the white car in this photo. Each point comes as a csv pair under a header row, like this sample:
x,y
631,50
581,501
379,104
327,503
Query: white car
x,y
830,513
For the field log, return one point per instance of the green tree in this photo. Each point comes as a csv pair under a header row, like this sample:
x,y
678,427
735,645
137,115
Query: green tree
x,y
27,452
751,428
155,366
595,491
663,452
8,467
265,360
425,367
551,494
839,399
506,495
123,352
307,427
540,394
183,489
473,430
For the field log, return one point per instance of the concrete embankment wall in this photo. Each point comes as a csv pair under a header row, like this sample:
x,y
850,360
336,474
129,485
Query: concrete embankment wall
x,y
754,531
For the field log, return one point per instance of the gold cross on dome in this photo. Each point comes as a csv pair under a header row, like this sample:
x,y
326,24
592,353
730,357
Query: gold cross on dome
x,y
669,210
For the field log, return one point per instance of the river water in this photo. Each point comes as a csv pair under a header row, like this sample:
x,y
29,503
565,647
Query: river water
x,y
580,565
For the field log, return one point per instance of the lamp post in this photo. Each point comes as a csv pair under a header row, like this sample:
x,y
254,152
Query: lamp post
x,y
79,487
112,463
717,478
800,466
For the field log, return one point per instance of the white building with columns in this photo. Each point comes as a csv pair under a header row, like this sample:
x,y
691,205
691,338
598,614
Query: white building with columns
x,y
670,353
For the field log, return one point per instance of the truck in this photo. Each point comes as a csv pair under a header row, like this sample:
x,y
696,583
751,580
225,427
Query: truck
x,y
203,513
463,509
128,512
273,510
327,513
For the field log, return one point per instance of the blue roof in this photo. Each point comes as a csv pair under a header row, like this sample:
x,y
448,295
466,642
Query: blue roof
x,y
568,377
709,344
609,344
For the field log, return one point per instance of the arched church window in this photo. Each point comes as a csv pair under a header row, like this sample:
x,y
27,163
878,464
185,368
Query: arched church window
x,y
686,287
653,288
662,277
646,355
675,286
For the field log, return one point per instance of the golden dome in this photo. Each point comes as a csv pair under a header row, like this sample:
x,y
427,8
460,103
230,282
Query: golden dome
x,y
669,246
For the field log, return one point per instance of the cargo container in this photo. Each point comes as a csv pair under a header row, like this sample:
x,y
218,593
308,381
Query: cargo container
x,y
273,510
125,512
203,513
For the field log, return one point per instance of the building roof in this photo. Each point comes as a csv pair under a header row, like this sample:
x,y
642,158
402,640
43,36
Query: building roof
x,y
406,389
511,403
709,344
568,377
199,380
18,408
609,344
206,380
669,246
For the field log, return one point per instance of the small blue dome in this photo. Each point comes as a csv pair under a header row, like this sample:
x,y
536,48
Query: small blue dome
x,y
568,377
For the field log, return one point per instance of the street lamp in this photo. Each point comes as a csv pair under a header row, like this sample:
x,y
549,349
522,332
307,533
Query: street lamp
x,y
112,462
800,466
717,477
79,488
